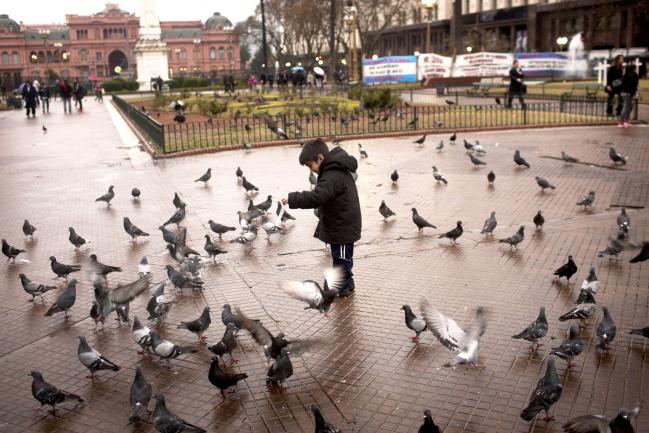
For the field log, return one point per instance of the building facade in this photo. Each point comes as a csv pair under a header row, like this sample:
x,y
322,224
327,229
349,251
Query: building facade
x,y
101,46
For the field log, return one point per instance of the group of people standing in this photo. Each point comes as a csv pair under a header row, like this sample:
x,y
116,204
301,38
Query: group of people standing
x,y
621,84
35,94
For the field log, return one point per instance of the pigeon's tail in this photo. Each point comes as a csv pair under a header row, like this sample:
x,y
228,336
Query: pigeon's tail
x,y
505,241
108,365
531,411
569,315
520,336
53,309
140,413
186,349
637,331
552,187
69,396
240,376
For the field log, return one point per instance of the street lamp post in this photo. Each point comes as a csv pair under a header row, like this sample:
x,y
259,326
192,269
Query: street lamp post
x,y
264,47
562,41
431,8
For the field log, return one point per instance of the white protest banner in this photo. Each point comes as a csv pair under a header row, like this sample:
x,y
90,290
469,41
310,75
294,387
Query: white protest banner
x,y
547,64
393,69
482,64
434,66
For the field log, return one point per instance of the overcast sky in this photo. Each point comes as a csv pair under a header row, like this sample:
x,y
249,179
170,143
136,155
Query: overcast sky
x,y
48,11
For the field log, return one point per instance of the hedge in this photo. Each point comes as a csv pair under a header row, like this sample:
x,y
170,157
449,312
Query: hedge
x,y
117,84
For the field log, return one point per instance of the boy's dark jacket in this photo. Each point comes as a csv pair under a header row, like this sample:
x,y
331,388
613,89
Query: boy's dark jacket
x,y
336,198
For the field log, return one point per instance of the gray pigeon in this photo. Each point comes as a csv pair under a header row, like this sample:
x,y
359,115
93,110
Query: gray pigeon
x,y
616,157
567,158
177,217
98,268
516,239
48,394
419,221
394,176
239,173
361,150
445,329
538,220
227,344
141,335
491,177
265,205
249,187
548,392
168,236
281,370
143,269
284,216
135,192
178,202
140,397
623,221
198,326
166,349
606,330
321,424
438,176
34,289
603,424
385,211
414,323
489,225
476,161
585,309
519,160
10,251
453,234
107,197
269,226
246,237
28,230
587,200
571,347
205,177
66,300
158,307
544,184
93,360
223,379
615,246
62,270
75,239
180,281
212,249
535,331
440,146
643,255
228,317
119,297
315,296
220,229
132,230
165,421
640,331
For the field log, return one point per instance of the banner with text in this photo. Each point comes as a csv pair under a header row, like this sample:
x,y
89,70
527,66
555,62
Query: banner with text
x,y
482,64
535,64
434,66
392,69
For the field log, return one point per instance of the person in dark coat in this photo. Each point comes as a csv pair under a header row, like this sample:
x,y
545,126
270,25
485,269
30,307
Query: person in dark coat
x,y
515,85
614,85
336,198
629,89
30,96
66,95
79,93
44,93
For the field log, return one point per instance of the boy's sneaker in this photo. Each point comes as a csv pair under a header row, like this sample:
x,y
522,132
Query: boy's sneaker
x,y
349,290
627,124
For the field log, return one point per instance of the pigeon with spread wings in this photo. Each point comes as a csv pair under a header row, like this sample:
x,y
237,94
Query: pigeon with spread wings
x,y
317,297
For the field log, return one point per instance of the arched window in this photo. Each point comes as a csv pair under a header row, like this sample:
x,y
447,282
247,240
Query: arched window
x,y
41,57
229,53
57,56
50,58
212,53
5,58
84,55
221,54
15,58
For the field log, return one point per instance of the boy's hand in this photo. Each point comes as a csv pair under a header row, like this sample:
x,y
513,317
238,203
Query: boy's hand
x,y
285,201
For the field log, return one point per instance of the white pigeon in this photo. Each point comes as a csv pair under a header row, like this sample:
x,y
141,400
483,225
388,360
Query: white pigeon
x,y
269,226
247,236
479,148
591,282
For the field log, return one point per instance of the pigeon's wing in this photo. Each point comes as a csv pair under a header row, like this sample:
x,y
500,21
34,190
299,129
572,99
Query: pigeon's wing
x,y
256,329
126,293
299,346
334,277
587,424
305,291
447,331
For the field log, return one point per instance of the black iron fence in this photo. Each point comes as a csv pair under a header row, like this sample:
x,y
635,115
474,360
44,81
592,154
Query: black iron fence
x,y
151,129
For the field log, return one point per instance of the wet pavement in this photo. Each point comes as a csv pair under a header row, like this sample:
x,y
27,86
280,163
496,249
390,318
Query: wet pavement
x,y
369,376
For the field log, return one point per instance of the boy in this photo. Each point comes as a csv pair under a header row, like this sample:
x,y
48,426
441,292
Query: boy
x,y
336,198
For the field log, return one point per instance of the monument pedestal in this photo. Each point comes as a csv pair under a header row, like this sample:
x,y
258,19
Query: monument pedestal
x,y
150,50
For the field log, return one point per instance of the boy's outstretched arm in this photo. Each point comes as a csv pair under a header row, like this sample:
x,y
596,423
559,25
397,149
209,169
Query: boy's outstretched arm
x,y
321,194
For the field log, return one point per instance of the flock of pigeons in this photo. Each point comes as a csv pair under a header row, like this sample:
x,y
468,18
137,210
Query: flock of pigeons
x,y
276,348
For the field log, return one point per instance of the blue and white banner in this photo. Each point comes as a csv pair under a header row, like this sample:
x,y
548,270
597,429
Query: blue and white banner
x,y
552,64
393,69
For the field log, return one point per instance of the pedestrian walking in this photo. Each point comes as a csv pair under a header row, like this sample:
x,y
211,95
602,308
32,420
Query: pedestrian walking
x,y
66,95
79,93
271,79
30,96
45,98
516,86
614,85
629,88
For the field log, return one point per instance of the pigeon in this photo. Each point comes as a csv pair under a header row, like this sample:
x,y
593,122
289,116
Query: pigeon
x,y
284,216
28,230
75,239
567,270
167,235
453,138
227,344
228,317
265,205
586,308
449,102
177,217
453,234
615,247
107,197
93,360
44,128
239,173
280,370
414,323
413,122
158,307
516,239
317,297
606,330
177,201
180,281
421,141
167,350
223,379
394,176
165,421
140,397
498,102
489,225
143,269
132,230
438,176
269,226
640,331
548,392
362,152
519,160
535,331
467,342
313,179
34,289
246,237
10,251
250,188
445,329
491,177
180,117
385,211
321,424
141,335
62,270
419,221
587,200
643,255
571,347
212,249
49,394
66,300
220,229
538,220
205,177
478,148
543,183
429,425
136,193
616,157
603,424
623,221
567,159
119,297
198,326
591,282
440,146
476,161
468,146
100,269
193,265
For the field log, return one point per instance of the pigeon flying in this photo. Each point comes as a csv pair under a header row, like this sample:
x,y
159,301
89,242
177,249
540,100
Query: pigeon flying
x,y
600,423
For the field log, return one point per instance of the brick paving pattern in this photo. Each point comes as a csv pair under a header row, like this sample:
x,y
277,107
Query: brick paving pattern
x,y
369,377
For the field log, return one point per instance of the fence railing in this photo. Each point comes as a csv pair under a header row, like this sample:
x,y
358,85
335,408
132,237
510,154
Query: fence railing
x,y
234,132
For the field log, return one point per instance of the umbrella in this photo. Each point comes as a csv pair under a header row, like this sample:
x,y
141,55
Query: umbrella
x,y
297,68
318,70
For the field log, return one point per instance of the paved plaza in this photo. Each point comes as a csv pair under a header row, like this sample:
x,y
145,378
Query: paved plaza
x,y
369,376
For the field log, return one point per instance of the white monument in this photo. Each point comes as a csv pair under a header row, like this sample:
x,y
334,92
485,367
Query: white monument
x,y
150,50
